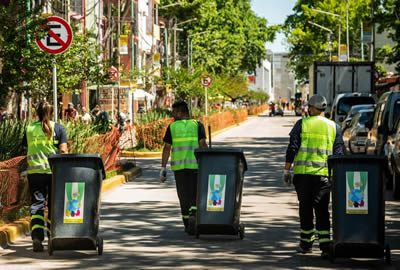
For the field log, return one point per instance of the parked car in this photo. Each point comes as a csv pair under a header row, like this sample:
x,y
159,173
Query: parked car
x,y
382,125
343,103
355,136
393,149
353,111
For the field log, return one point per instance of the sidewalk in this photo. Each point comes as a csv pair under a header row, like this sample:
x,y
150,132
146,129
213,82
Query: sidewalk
x,y
11,232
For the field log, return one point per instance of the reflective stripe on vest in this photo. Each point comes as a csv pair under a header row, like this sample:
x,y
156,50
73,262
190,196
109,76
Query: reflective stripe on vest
x,y
185,140
317,137
39,147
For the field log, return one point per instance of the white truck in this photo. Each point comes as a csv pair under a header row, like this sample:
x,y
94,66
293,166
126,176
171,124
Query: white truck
x,y
329,79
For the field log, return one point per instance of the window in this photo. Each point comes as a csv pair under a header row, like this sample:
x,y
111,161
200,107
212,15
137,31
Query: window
x,y
76,6
346,103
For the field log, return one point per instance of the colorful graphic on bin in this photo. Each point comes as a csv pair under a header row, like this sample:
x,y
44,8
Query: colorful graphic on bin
x,y
216,192
74,202
357,192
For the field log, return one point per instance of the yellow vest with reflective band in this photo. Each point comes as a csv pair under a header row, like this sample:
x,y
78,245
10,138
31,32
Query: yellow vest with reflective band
x,y
185,139
317,137
39,147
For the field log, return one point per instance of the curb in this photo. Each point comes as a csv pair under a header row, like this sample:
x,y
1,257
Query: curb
x,y
159,154
11,232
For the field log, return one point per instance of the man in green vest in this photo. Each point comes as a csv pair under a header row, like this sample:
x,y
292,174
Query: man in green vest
x,y
183,136
312,140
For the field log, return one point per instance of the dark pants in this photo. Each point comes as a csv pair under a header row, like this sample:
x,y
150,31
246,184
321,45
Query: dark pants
x,y
186,187
313,192
39,188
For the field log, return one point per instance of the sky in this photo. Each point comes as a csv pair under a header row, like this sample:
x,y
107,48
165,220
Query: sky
x,y
275,11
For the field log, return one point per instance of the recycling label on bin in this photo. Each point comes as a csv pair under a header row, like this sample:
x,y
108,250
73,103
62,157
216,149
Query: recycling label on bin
x,y
357,192
74,202
216,192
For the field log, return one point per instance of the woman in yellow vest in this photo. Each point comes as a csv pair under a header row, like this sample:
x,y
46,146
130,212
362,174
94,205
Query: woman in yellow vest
x,y
312,140
42,138
182,137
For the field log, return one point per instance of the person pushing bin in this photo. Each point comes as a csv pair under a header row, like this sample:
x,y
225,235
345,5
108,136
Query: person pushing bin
x,y
312,140
183,136
42,138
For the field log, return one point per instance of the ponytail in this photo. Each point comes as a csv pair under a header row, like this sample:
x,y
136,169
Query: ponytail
x,y
45,112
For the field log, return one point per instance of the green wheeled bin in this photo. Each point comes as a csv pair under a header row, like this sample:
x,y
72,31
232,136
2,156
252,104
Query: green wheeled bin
x,y
358,207
75,211
219,191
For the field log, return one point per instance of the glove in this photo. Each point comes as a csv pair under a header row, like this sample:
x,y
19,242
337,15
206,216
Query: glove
x,y
287,178
163,175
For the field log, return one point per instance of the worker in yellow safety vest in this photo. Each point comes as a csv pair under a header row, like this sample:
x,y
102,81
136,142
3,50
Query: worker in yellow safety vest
x,y
183,136
42,138
312,140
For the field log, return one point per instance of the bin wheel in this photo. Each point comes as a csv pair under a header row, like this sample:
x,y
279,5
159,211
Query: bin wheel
x,y
331,253
50,248
388,259
192,225
241,231
99,244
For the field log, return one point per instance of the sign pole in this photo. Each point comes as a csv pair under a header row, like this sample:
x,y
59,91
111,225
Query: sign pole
x,y
55,90
112,102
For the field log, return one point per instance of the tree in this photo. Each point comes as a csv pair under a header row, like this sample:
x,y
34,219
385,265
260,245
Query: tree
x,y
388,18
237,37
308,43
26,69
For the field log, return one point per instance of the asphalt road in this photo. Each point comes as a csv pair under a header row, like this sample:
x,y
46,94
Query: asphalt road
x,y
142,228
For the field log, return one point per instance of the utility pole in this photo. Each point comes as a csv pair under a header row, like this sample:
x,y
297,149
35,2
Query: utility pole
x,y
175,43
347,30
119,56
372,54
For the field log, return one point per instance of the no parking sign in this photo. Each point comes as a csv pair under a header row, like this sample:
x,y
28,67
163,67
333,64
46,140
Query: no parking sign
x,y
59,36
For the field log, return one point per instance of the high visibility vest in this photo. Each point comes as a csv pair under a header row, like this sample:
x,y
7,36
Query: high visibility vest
x,y
317,137
185,139
39,147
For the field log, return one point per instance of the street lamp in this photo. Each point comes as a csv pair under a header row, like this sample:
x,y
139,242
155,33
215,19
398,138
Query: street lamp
x,y
175,25
340,26
329,36
189,45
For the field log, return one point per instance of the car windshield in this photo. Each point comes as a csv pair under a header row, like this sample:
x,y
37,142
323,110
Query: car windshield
x,y
346,103
355,109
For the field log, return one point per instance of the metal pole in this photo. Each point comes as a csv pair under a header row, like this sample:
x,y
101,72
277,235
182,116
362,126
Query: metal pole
x,y
362,45
55,90
132,35
206,102
373,55
340,29
119,56
191,53
174,44
112,102
347,30
166,50
188,52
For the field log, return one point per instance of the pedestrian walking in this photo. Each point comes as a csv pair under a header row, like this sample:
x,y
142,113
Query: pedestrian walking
x,y
183,136
312,140
42,138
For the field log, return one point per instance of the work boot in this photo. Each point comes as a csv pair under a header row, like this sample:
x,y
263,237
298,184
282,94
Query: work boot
x,y
304,249
37,245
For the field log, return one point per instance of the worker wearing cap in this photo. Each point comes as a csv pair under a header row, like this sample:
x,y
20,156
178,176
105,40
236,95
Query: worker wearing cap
x,y
312,140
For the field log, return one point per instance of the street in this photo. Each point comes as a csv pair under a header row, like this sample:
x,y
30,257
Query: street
x,y
142,227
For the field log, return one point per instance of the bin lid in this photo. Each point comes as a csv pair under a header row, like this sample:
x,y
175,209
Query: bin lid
x,y
64,157
359,158
220,150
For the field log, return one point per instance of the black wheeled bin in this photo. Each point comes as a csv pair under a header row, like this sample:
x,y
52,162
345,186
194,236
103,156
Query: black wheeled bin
x,y
219,191
358,207
76,188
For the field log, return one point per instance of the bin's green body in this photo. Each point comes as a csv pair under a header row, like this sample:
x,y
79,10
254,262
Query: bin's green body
x,y
76,189
219,190
358,225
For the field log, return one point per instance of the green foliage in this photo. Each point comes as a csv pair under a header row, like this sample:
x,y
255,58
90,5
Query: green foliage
x,y
237,35
11,134
152,116
23,61
388,18
77,132
308,43
258,96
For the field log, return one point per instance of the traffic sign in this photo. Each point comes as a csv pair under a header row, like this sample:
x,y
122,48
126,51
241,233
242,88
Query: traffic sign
x,y
206,80
114,74
59,36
